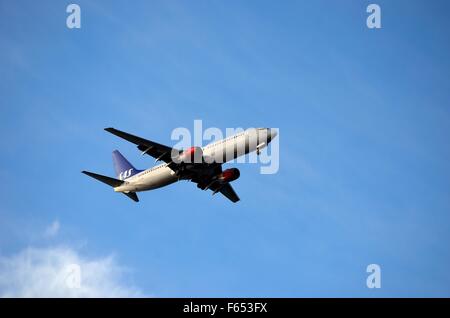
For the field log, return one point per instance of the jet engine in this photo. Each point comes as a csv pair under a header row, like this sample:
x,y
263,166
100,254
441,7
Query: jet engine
x,y
229,175
191,155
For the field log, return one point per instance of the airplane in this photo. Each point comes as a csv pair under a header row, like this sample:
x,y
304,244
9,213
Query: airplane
x,y
201,165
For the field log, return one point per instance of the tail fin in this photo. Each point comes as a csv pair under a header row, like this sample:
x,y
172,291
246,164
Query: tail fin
x,y
124,169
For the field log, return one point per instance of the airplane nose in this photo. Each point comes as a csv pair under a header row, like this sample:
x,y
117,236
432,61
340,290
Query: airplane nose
x,y
271,133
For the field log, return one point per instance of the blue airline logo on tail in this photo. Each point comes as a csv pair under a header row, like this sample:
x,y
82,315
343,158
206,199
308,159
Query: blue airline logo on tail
x,y
125,174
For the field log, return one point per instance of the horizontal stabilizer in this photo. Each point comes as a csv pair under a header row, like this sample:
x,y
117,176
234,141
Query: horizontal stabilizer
x,y
109,181
132,195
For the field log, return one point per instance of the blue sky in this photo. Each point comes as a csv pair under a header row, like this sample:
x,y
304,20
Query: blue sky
x,y
364,122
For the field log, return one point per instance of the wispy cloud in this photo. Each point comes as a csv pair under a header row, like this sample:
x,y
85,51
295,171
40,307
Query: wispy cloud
x,y
52,230
61,272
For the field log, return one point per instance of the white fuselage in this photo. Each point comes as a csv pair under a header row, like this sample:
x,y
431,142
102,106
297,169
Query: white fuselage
x,y
219,151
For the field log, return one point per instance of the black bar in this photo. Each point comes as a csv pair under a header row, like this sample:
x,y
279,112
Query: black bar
x,y
263,307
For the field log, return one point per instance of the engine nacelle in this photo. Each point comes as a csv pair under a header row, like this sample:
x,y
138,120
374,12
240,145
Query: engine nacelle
x,y
191,155
229,175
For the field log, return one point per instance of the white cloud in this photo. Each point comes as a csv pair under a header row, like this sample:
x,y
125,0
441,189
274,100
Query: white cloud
x,y
53,229
53,272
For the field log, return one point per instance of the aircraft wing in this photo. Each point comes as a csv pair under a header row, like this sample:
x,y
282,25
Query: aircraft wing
x,y
151,148
228,191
